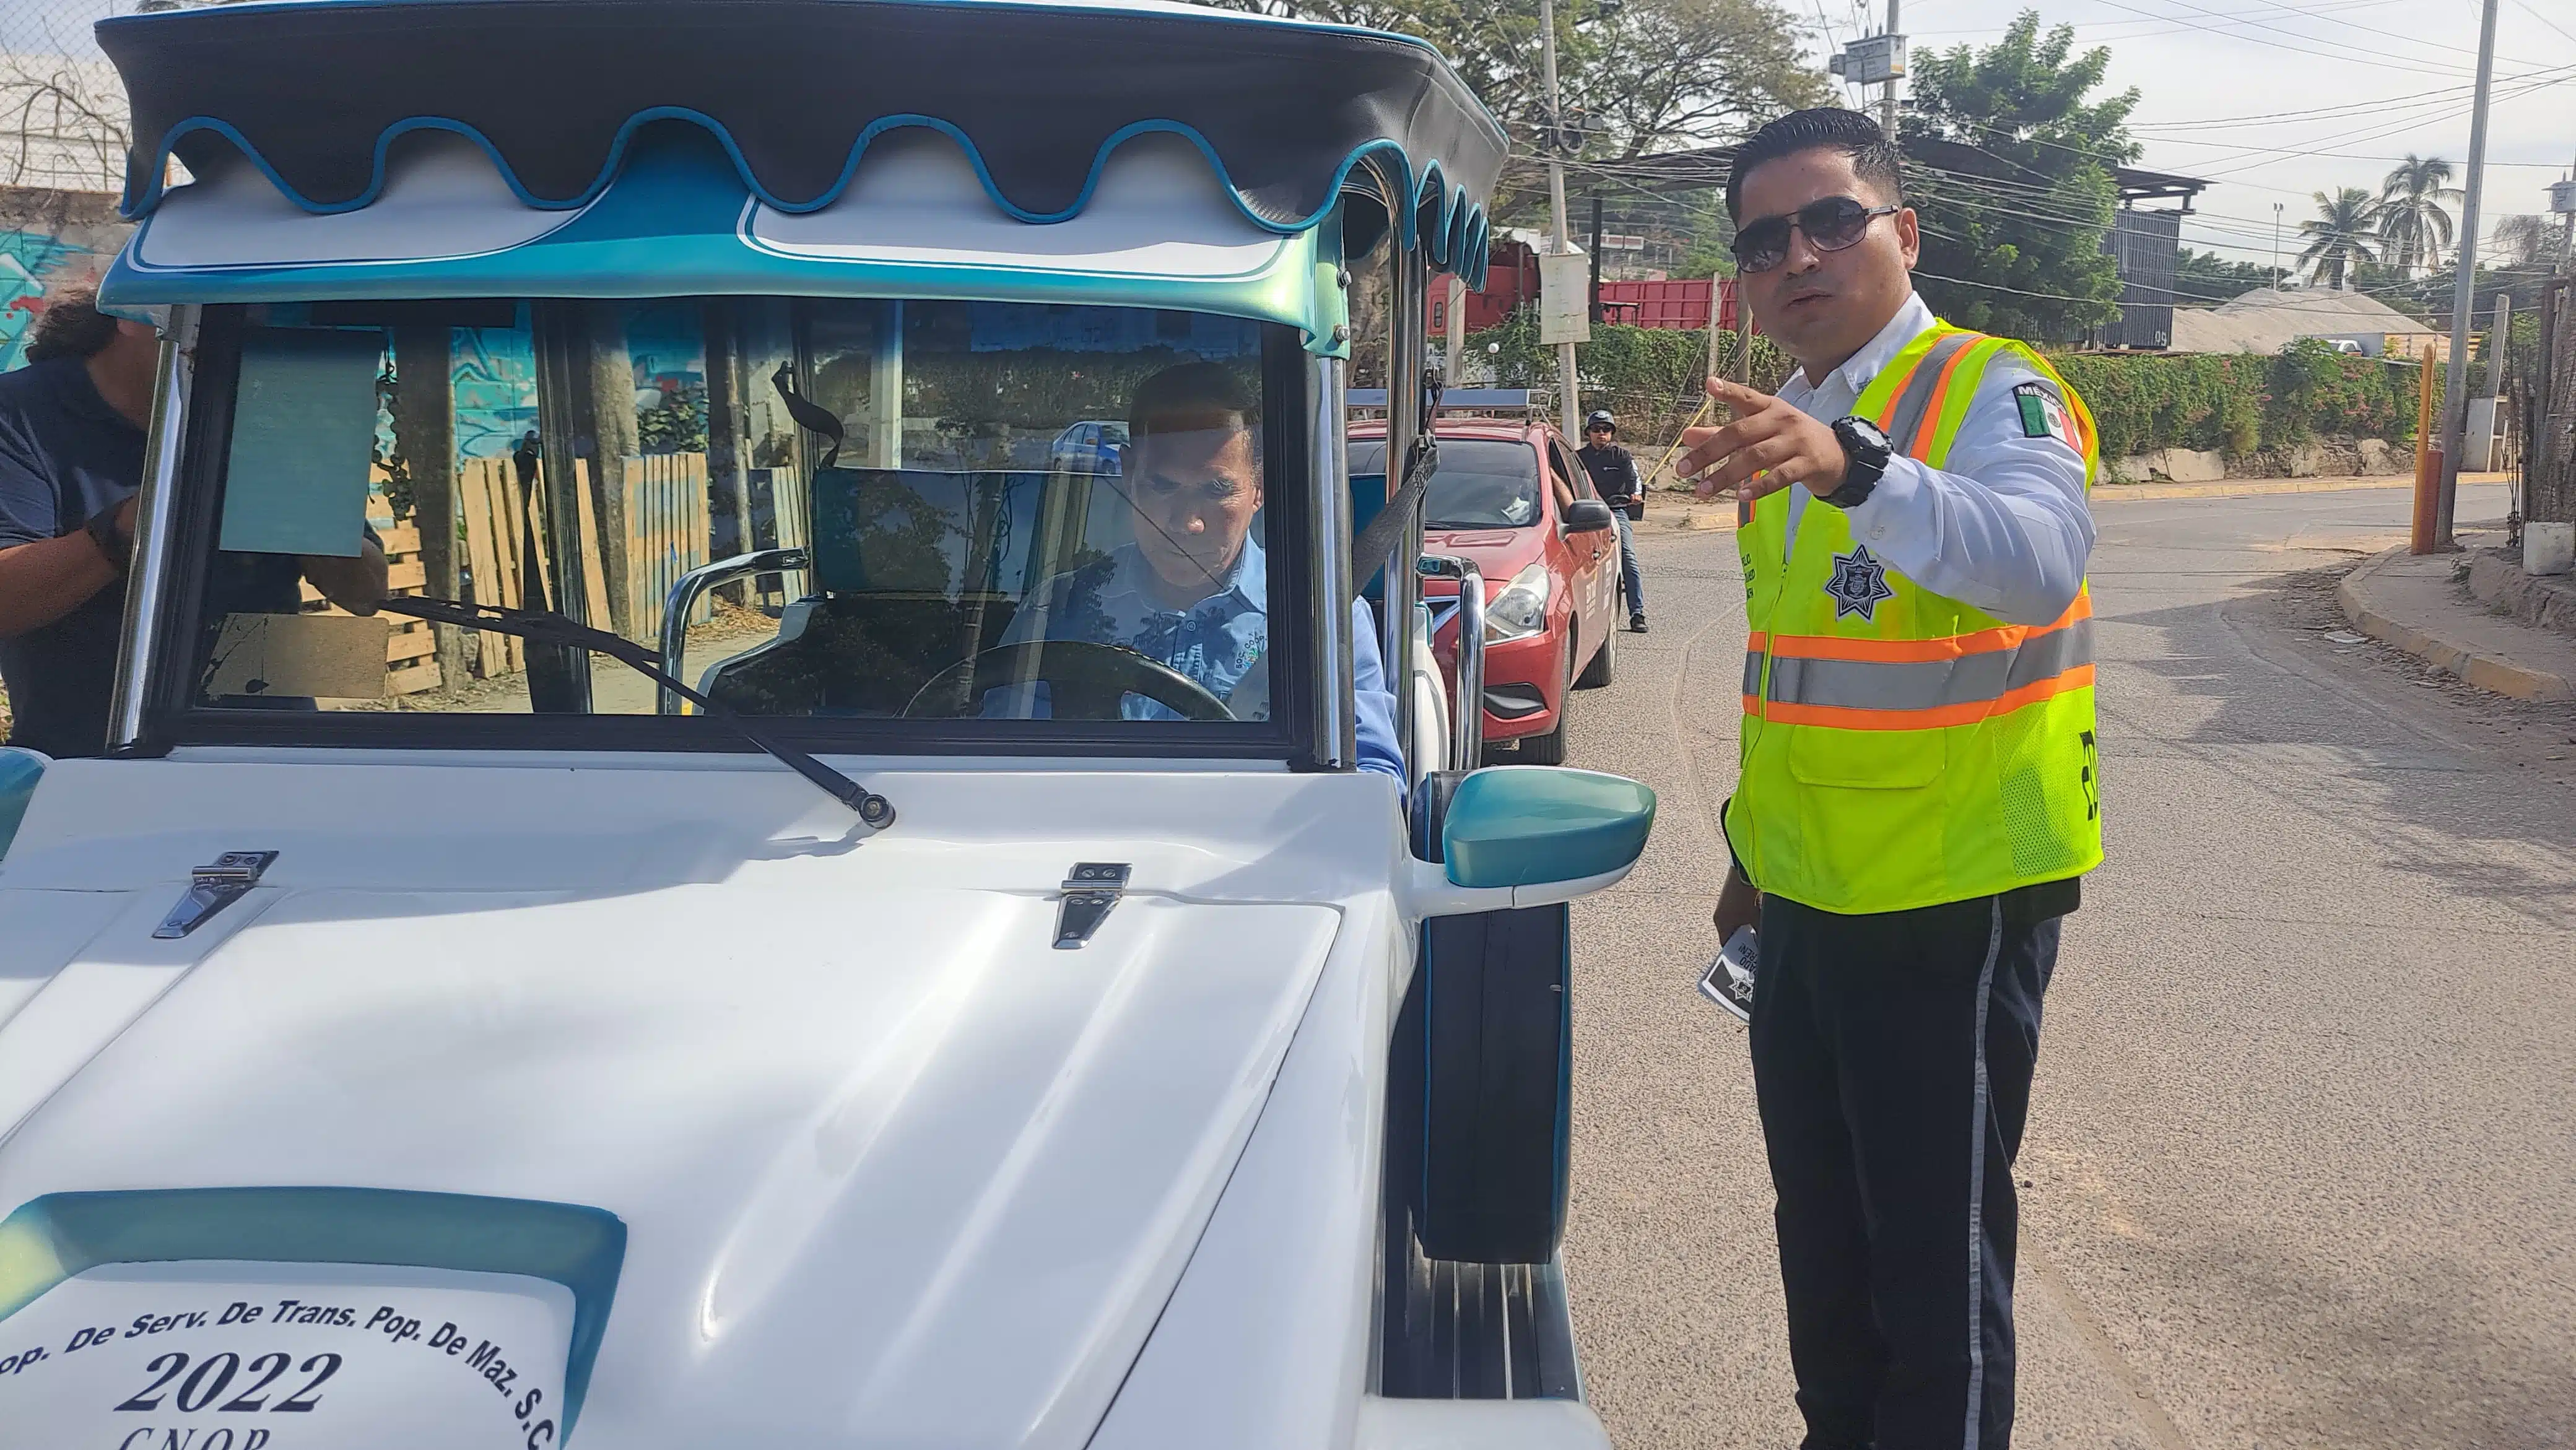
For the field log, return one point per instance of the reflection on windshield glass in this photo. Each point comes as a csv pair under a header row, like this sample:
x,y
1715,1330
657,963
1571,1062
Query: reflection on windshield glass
x,y
1481,483
1011,511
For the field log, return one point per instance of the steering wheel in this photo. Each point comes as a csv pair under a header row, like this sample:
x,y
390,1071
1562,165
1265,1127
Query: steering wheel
x,y
1085,681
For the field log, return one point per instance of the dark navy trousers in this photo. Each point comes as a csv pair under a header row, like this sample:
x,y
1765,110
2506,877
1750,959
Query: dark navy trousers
x,y
1892,1059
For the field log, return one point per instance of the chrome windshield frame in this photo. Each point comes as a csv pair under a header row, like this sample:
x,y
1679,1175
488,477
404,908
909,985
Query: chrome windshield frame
x,y
148,583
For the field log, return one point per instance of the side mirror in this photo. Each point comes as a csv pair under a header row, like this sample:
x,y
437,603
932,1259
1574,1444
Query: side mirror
x,y
1586,516
1533,835
19,772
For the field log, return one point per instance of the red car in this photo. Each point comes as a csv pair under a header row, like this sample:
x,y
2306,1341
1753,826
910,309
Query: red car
x,y
1511,498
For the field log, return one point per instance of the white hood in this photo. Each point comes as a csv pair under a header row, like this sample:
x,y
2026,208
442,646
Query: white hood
x,y
894,1171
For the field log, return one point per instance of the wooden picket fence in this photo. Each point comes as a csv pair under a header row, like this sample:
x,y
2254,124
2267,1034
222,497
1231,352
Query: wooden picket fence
x,y
666,535
503,550
411,652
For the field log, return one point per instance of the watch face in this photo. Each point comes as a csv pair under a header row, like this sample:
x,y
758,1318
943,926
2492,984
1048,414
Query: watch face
x,y
1869,433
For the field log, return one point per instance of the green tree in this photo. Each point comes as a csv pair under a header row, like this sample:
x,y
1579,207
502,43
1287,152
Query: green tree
x,y
2343,234
1641,76
2016,248
2205,279
2529,241
2411,216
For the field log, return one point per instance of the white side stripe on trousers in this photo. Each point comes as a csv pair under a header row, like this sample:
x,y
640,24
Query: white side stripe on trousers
x,y
1977,1189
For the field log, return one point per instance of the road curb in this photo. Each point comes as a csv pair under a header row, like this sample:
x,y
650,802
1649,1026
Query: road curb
x,y
2486,671
2258,488
2241,488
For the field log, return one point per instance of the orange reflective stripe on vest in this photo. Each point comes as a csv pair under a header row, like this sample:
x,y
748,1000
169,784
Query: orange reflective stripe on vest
x,y
1915,684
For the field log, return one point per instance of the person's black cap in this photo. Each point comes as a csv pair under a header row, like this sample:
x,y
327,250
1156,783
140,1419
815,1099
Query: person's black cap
x,y
1600,419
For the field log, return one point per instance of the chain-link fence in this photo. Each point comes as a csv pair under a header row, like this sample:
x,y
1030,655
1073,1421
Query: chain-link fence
x,y
62,110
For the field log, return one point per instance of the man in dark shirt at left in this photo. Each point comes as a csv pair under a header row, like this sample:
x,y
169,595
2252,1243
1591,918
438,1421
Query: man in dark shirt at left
x,y
71,458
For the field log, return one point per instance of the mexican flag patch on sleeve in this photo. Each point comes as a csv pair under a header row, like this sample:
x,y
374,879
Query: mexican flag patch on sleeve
x,y
2043,412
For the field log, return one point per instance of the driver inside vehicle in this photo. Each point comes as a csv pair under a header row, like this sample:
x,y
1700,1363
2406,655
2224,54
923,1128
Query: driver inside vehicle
x,y
1191,591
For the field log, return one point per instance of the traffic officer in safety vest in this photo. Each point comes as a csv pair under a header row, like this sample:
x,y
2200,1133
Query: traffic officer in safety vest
x,y
1919,791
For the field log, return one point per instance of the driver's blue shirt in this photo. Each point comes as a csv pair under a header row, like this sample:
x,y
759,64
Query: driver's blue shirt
x,y
1217,642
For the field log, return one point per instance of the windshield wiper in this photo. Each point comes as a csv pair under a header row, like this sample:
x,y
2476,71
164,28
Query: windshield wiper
x,y
544,626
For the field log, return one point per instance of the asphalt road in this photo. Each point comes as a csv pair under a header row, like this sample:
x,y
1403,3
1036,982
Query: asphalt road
x,y
2301,1166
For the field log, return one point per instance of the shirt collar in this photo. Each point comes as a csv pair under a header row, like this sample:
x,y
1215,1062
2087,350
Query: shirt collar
x,y
1863,367
82,397
1248,581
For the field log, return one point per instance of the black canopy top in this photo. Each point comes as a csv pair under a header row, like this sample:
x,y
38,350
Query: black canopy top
x,y
316,91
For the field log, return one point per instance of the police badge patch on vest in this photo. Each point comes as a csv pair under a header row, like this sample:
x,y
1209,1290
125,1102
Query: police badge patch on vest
x,y
2043,412
1858,584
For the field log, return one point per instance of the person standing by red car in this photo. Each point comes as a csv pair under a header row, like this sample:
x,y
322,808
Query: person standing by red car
x,y
1614,477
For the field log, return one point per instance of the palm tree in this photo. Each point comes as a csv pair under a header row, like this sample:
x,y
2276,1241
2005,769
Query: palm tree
x,y
2527,240
2344,234
2411,215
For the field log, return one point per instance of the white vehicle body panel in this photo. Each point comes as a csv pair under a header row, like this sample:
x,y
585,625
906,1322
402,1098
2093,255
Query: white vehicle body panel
x,y
894,1169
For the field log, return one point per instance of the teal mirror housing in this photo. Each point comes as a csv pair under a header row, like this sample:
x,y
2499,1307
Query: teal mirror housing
x,y
19,772
1532,825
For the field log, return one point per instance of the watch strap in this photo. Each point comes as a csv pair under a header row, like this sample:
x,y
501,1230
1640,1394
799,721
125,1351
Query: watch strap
x,y
112,543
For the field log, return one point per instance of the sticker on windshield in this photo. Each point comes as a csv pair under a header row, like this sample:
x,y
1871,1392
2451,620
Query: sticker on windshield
x,y
264,1356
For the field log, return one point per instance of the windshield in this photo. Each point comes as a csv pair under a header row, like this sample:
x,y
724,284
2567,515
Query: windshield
x,y
1003,511
1481,483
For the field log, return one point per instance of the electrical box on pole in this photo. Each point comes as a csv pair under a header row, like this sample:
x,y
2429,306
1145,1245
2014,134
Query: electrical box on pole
x,y
1564,297
2562,197
1871,60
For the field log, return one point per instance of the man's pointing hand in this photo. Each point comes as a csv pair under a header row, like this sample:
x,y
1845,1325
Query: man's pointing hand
x,y
1769,446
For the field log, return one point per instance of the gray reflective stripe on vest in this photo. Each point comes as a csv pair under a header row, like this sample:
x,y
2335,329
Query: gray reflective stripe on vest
x,y
1916,400
1752,673
1923,684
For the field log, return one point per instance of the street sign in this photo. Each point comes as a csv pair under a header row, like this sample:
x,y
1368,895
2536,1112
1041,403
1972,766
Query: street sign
x,y
1564,297
1871,60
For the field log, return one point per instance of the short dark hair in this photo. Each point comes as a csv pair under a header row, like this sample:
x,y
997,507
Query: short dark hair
x,y
1826,128
1193,397
70,326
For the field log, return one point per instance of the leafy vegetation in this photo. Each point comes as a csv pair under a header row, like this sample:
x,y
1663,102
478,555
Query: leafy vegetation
x,y
1637,77
2205,279
2240,404
2411,217
2022,257
2343,234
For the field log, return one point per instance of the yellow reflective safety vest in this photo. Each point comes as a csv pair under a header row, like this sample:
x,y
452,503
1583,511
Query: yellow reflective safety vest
x,y
1902,749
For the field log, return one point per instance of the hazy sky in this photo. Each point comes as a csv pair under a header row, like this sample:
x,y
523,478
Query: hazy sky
x,y
2272,100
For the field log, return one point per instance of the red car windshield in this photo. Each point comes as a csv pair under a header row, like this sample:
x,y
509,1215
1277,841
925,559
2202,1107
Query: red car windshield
x,y
1482,483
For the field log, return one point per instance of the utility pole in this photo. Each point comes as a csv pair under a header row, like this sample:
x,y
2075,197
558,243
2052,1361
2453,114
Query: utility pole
x,y
2455,402
2276,246
1887,99
1568,386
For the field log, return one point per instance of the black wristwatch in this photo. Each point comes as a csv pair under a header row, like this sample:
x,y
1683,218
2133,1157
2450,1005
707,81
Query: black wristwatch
x,y
112,543
1865,454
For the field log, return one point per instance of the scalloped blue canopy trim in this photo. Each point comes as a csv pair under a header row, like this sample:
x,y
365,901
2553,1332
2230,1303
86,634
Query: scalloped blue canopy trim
x,y
1442,219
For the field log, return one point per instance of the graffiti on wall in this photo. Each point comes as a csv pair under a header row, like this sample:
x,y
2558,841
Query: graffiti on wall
x,y
28,259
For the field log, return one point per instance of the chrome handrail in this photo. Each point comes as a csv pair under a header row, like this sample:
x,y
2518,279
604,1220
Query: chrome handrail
x,y
1467,729
684,597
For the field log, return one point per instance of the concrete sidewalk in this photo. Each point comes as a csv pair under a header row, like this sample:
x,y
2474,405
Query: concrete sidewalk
x,y
2420,604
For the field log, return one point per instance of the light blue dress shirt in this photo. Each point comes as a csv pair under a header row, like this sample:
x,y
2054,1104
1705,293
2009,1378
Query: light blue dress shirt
x,y
1219,642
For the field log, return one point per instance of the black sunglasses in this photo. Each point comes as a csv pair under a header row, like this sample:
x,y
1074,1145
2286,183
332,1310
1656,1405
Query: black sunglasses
x,y
1831,225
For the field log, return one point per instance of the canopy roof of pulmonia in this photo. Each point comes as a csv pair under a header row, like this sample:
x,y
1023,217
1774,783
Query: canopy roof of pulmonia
x,y
504,132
